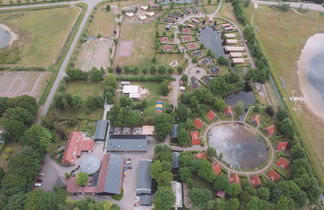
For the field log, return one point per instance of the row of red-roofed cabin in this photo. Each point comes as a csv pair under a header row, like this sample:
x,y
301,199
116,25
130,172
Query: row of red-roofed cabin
x,y
211,115
195,140
270,130
256,120
228,112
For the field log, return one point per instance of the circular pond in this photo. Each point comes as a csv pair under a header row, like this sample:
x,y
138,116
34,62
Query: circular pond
x,y
239,146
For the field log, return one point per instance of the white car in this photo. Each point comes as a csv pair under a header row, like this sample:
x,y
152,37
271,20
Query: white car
x,y
38,184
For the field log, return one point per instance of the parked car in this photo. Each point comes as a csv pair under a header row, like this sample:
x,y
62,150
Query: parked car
x,y
38,184
129,161
38,181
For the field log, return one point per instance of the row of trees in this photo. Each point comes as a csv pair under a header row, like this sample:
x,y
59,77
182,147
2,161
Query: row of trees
x,y
94,74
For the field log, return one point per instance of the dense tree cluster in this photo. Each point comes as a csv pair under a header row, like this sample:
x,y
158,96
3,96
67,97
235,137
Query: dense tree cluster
x,y
163,125
77,74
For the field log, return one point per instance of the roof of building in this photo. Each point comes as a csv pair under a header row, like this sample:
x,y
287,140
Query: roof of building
x,y
101,130
217,168
234,178
270,129
255,181
130,89
236,54
195,140
145,200
175,160
73,187
238,60
144,179
231,41
90,164
111,174
282,163
274,176
198,123
228,110
234,49
77,143
211,115
148,130
201,155
177,191
127,143
220,194
174,132
230,35
256,119
282,145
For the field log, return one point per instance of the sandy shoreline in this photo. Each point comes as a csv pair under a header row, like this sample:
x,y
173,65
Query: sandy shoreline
x,y
309,93
14,36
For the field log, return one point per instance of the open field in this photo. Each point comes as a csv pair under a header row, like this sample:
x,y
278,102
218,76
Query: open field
x,y
283,39
227,12
41,33
165,59
142,36
103,22
15,83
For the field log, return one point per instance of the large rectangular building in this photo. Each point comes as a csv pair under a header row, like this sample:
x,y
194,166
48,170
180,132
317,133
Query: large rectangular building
x,y
102,130
127,143
144,179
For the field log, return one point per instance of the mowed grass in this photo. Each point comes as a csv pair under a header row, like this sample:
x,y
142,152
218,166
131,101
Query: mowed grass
x,y
165,59
142,36
282,39
103,22
42,33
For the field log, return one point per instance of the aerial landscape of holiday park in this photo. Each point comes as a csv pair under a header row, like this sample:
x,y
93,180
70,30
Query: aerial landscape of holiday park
x,y
184,104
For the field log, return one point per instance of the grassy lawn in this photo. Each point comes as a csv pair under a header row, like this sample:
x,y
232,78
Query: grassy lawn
x,y
142,36
165,59
227,12
103,22
283,39
41,33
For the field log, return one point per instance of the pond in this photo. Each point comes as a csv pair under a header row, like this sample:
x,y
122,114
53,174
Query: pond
x,y
5,37
239,145
212,40
311,73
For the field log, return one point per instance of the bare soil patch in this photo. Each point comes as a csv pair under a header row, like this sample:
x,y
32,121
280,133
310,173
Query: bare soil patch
x,y
125,49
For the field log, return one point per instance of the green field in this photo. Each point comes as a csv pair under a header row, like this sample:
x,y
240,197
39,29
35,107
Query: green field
x,y
41,33
282,39
103,22
143,36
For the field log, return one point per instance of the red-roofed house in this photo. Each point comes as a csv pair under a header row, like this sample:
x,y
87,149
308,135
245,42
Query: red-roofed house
x,y
228,111
211,115
282,163
77,144
167,48
270,129
281,146
164,40
73,187
195,140
186,31
217,168
201,155
256,120
273,176
198,123
234,178
255,181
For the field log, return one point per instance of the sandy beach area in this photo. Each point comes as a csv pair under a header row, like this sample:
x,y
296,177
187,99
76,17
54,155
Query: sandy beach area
x,y
14,36
312,97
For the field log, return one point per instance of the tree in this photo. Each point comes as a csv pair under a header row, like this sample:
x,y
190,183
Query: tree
x,y
19,114
13,129
200,196
164,198
263,193
96,74
76,74
222,61
232,204
239,108
185,174
38,138
163,153
269,110
219,105
15,202
13,184
26,102
194,60
297,152
65,101
286,127
183,137
184,78
233,189
219,86
281,114
94,102
110,80
163,126
211,152
108,7
164,88
82,179
220,183
284,203
180,69
160,173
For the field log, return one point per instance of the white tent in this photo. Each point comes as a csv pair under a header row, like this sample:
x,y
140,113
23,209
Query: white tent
x,y
238,60
151,14
236,55
142,17
130,14
128,89
234,49
231,41
230,35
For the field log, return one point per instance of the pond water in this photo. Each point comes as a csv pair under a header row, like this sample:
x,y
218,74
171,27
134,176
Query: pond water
x,y
240,146
311,73
212,40
5,37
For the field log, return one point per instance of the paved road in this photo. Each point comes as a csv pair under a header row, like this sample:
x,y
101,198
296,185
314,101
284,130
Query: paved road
x,y
310,6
